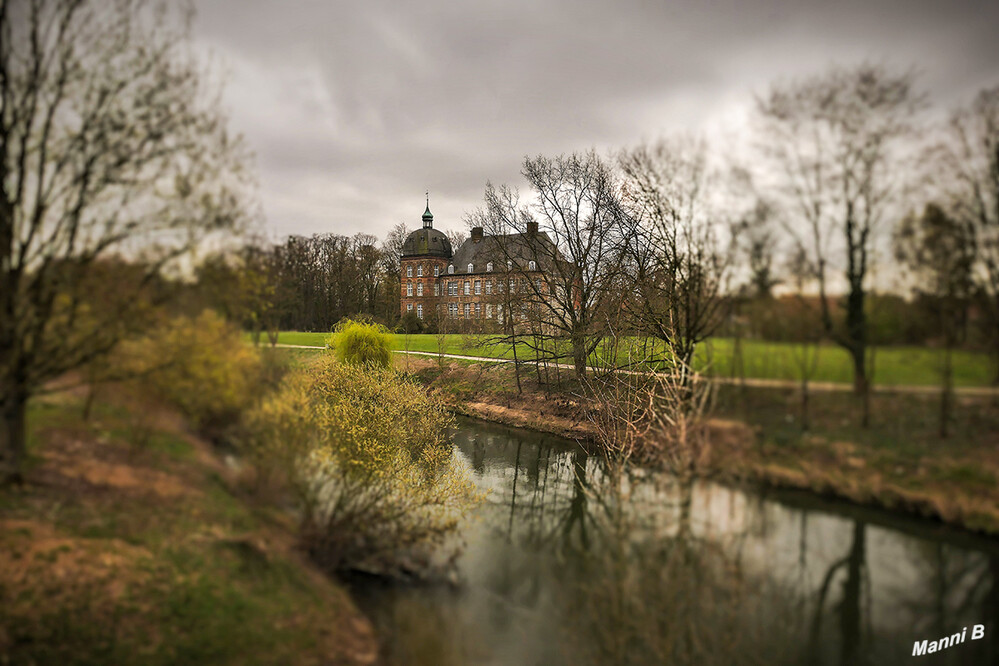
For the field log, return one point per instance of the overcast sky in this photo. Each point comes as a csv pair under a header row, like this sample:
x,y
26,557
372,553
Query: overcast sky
x,y
355,109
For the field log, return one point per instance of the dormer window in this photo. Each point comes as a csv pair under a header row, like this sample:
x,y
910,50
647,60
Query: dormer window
x,y
489,267
531,266
509,265
470,268
450,269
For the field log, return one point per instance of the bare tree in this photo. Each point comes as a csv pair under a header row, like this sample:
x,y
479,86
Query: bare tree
x,y
758,242
442,329
566,248
970,156
939,251
834,142
805,329
456,237
111,148
755,243
679,267
391,252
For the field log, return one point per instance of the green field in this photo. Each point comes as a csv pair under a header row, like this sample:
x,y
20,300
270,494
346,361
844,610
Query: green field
x,y
894,366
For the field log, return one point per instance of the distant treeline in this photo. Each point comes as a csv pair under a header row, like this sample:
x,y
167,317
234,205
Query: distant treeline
x,y
311,283
305,283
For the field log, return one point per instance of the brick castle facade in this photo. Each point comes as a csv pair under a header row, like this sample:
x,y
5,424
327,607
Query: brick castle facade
x,y
481,281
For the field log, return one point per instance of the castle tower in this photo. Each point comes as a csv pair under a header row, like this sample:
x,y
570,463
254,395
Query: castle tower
x,y
425,255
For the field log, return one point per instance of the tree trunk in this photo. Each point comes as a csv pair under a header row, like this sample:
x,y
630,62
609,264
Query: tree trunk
x,y
856,344
513,344
12,438
805,423
946,392
860,384
579,354
995,348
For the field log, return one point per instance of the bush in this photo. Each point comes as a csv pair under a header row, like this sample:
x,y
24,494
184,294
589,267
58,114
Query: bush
x,y
410,324
360,343
369,453
201,365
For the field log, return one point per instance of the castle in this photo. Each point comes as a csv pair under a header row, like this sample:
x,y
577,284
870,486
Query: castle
x,y
483,280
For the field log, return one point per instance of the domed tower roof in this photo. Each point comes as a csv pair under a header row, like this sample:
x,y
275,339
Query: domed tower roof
x,y
427,241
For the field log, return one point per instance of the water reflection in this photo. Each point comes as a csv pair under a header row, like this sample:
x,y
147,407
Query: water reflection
x,y
558,570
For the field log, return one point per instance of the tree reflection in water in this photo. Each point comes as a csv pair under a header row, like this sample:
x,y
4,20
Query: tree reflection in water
x,y
572,563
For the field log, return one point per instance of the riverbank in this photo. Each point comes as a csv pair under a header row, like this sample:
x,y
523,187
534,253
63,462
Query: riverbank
x,y
132,542
756,436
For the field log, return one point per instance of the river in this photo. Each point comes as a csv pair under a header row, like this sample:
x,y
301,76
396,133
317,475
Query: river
x,y
556,571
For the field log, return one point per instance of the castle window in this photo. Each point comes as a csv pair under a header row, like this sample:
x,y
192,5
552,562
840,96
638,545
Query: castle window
x,y
478,287
437,289
419,271
468,288
537,284
450,269
489,311
437,271
419,288
531,266
409,306
467,307
489,267
419,310
489,287
509,265
478,310
409,288
513,286
470,268
409,271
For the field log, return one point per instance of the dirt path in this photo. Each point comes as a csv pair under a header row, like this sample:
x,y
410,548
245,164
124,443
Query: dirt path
x,y
978,391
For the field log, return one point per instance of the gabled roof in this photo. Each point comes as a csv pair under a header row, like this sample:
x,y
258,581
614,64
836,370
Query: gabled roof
x,y
498,249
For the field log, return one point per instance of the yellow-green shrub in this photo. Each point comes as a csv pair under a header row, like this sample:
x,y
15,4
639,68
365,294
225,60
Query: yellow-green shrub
x,y
201,365
370,454
361,343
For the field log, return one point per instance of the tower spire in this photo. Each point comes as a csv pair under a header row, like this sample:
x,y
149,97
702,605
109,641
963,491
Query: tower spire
x,y
428,217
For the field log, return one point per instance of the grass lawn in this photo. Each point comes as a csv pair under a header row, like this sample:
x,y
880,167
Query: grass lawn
x,y
894,366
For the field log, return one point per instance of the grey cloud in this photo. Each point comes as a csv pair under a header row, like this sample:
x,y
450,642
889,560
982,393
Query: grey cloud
x,y
366,104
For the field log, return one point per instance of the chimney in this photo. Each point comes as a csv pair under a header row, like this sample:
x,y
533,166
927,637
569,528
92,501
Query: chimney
x,y
532,228
476,234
